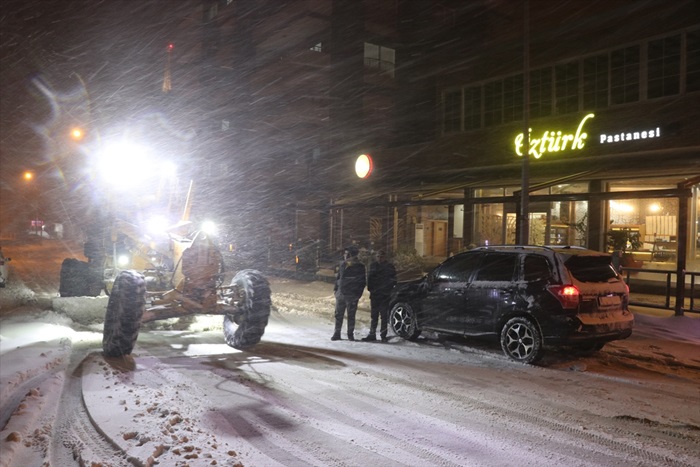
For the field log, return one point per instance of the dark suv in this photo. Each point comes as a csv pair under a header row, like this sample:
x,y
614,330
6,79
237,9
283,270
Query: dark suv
x,y
528,296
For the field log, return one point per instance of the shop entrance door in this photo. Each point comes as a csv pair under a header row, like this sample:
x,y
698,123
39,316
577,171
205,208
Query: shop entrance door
x,y
438,238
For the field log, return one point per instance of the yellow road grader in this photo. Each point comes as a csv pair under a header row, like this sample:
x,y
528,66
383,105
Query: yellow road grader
x,y
178,272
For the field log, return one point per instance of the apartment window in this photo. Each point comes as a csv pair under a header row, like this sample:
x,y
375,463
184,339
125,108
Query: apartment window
x,y
317,48
513,99
493,103
692,65
452,111
566,87
541,92
624,75
381,58
595,82
664,67
472,108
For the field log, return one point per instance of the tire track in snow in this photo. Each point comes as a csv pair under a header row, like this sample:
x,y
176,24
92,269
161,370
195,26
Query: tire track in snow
x,y
75,439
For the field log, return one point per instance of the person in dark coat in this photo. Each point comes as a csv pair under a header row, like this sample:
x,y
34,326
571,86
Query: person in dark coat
x,y
380,281
350,282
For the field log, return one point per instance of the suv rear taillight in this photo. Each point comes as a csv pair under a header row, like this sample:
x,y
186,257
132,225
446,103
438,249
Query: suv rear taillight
x,y
568,295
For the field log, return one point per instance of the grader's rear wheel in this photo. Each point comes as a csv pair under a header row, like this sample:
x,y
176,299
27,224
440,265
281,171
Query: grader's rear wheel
x,y
256,310
74,278
125,308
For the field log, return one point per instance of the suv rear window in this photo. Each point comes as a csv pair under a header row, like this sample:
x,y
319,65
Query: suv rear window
x,y
591,268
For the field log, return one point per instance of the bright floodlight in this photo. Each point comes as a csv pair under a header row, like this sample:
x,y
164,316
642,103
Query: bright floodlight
x,y
157,225
127,165
209,227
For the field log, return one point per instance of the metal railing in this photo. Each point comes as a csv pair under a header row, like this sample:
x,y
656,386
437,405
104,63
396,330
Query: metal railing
x,y
691,292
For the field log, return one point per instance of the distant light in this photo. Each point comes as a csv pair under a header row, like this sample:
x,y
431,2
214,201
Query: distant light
x,y
655,207
363,166
123,260
621,206
28,176
170,46
77,134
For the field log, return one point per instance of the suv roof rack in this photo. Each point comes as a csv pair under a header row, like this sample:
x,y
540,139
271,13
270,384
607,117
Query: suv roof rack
x,y
515,247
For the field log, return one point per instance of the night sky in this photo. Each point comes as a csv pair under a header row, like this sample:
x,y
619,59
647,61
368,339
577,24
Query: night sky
x,y
62,62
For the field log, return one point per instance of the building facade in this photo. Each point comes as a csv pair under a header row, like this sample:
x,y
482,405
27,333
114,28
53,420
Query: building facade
x,y
614,143
440,95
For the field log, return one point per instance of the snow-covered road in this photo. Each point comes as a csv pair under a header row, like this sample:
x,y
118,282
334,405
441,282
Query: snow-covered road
x,y
296,399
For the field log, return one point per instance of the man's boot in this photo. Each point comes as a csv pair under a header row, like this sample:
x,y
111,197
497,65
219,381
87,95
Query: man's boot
x,y
351,336
335,336
371,337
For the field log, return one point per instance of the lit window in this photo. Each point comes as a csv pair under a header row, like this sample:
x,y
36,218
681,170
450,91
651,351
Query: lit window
x,y
381,58
317,48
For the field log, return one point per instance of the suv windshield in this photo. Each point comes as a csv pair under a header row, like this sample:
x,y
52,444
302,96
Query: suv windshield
x,y
591,268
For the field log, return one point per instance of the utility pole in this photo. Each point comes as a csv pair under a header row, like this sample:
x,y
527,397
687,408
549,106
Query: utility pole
x,y
524,237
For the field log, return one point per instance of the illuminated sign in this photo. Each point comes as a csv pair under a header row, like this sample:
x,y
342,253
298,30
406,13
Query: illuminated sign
x,y
630,136
363,166
554,140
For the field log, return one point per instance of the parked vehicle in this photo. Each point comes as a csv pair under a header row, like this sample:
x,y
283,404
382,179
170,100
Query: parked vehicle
x,y
528,297
4,269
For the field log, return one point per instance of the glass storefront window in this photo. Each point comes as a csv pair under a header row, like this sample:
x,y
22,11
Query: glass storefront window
x,y
654,221
695,230
489,225
555,223
568,223
570,188
488,192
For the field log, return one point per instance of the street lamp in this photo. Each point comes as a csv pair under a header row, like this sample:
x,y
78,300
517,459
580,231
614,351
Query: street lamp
x,y
77,134
29,177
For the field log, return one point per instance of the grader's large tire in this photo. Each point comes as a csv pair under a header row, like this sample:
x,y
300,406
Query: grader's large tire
x,y
74,280
256,311
125,308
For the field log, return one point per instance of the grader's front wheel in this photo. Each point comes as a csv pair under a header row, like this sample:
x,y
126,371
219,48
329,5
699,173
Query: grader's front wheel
x,y
125,308
245,330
